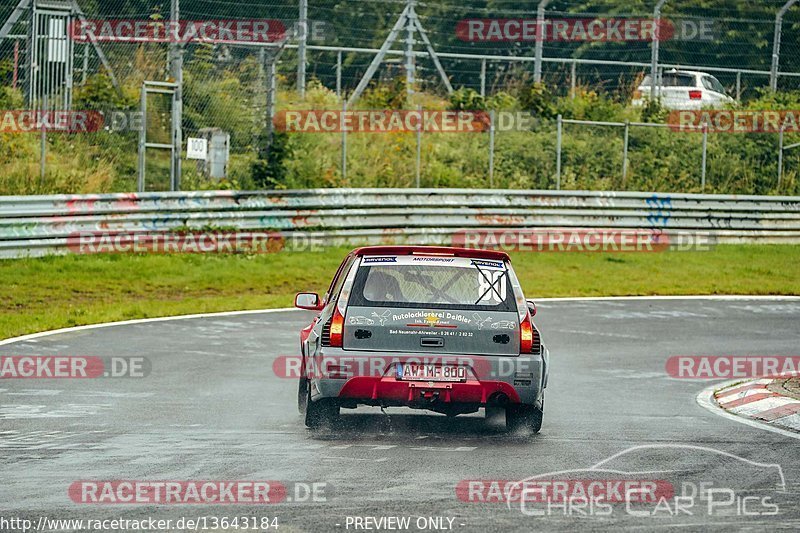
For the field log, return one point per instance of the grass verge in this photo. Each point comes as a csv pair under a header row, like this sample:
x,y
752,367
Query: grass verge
x,y
54,292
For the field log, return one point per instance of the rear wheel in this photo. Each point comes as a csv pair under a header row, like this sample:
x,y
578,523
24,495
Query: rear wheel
x,y
521,417
302,395
321,413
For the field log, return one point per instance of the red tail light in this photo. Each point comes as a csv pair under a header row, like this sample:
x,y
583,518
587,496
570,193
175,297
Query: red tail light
x,y
695,95
337,328
526,335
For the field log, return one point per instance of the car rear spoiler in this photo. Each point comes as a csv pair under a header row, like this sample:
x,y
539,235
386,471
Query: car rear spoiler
x,y
469,253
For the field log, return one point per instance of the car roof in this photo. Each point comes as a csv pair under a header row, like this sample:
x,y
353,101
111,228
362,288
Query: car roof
x,y
692,72
432,250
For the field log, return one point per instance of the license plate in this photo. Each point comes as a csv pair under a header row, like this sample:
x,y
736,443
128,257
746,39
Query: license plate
x,y
423,372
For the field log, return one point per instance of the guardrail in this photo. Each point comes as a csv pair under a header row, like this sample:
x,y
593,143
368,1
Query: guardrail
x,y
40,225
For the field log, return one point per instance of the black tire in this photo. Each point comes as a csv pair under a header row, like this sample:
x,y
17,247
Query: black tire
x,y
322,413
524,417
302,395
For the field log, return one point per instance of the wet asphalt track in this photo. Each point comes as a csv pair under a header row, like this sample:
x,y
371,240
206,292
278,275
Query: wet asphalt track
x,y
213,409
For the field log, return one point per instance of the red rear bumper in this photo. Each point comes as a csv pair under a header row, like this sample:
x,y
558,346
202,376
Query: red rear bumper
x,y
407,392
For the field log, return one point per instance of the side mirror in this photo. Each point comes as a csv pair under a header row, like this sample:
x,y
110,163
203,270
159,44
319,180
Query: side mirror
x,y
307,300
532,307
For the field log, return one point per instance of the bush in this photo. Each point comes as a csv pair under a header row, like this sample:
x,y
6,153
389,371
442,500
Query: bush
x,y
589,105
538,100
653,111
466,100
99,93
269,170
502,101
390,95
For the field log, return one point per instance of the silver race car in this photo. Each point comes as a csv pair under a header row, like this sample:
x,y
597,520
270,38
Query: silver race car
x,y
444,329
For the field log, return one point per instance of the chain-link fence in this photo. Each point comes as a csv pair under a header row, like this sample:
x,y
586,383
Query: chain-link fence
x,y
96,62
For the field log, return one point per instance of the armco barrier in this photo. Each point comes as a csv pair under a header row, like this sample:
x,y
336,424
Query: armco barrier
x,y
39,225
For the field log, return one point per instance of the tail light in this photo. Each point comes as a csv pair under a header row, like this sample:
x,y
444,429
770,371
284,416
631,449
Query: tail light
x,y
333,329
526,335
337,328
695,95
529,339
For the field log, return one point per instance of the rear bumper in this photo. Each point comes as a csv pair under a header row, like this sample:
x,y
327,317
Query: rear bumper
x,y
493,379
395,392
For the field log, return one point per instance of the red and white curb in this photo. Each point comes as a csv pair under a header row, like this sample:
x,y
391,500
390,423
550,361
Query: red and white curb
x,y
755,401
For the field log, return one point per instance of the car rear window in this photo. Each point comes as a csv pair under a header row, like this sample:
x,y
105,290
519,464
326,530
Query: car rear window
x,y
433,282
677,80
672,80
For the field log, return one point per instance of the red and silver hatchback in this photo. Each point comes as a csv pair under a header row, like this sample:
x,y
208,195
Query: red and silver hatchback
x,y
443,329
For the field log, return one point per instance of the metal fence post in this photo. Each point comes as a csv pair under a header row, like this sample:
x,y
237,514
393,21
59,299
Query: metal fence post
x,y
176,68
559,126
339,74
419,146
272,95
776,45
43,146
705,156
540,35
780,156
491,149
739,85
573,78
410,59
625,152
85,65
344,141
15,75
301,49
483,77
142,139
655,45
